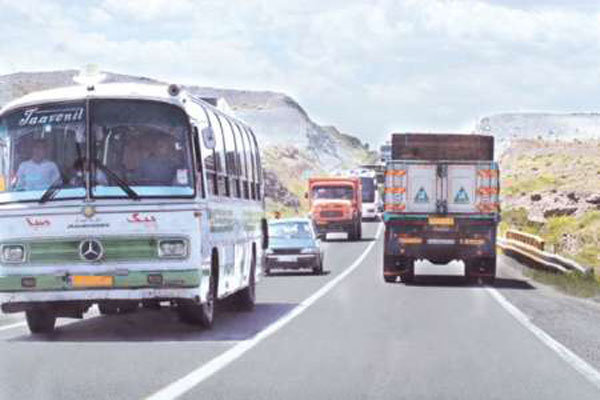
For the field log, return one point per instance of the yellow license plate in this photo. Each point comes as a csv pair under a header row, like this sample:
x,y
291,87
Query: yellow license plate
x,y
441,221
92,281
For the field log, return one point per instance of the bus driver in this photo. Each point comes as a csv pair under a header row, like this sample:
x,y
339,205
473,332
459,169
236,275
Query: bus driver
x,y
38,173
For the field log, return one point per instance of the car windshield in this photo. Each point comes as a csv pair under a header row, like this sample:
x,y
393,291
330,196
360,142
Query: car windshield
x,y
333,192
138,148
294,230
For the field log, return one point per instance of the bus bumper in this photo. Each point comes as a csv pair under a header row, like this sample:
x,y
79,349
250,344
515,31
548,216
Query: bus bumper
x,y
18,290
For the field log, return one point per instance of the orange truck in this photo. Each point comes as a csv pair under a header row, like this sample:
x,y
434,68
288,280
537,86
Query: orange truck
x,y
335,205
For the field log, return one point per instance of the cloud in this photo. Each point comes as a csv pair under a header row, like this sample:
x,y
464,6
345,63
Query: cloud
x,y
367,67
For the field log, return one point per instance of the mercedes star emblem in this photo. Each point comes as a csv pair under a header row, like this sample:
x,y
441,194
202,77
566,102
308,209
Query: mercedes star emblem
x,y
91,250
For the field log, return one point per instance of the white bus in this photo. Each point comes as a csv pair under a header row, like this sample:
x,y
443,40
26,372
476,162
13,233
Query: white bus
x,y
370,195
122,194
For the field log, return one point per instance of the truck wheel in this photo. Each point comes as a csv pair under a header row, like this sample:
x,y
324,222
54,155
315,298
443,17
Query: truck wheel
x,y
408,276
491,266
40,320
246,298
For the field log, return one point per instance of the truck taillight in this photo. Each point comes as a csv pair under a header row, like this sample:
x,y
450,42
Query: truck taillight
x,y
488,188
395,188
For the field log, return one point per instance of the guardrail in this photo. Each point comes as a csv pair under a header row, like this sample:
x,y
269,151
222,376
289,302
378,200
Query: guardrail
x,y
531,249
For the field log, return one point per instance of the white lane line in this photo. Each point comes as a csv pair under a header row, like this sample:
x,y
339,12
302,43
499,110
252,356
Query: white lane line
x,y
205,371
581,366
12,326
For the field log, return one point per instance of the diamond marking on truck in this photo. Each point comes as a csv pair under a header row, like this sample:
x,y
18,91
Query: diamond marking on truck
x,y
421,196
461,196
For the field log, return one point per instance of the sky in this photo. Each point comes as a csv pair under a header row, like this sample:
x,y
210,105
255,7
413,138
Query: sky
x,y
367,67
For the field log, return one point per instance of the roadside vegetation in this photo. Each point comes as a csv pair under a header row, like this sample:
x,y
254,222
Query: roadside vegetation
x,y
574,284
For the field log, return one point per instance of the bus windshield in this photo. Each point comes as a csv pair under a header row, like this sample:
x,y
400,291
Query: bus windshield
x,y
133,146
41,146
368,189
144,145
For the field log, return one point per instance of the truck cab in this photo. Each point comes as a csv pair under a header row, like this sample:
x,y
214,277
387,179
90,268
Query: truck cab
x,y
336,205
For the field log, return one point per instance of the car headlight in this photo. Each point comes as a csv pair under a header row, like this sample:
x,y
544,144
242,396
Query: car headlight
x,y
13,253
172,248
269,251
310,250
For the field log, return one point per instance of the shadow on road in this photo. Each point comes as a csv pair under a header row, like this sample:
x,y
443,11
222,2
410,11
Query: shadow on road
x,y
283,273
369,239
460,281
164,325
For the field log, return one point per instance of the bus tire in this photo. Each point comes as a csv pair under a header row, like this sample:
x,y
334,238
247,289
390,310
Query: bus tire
x,y
389,278
318,269
128,307
246,298
203,314
40,320
359,235
108,308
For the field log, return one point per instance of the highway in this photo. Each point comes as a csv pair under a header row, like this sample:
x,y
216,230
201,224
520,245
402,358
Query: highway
x,y
342,335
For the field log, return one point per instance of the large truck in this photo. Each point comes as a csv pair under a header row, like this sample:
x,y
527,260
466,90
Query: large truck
x,y
336,205
441,204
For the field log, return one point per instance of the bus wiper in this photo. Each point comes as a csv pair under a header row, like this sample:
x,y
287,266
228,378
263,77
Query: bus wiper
x,y
122,184
58,184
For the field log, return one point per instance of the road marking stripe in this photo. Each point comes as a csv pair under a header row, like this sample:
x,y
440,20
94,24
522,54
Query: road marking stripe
x,y
205,371
12,326
581,366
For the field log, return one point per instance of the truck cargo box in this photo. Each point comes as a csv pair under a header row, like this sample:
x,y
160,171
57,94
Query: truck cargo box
x,y
421,146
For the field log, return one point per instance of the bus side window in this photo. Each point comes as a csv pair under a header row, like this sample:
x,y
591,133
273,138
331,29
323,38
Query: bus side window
x,y
243,161
198,158
254,175
250,159
209,161
258,166
221,174
230,159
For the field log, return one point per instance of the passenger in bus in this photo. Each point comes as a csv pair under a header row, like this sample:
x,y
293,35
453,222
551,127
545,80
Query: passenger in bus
x,y
37,173
80,167
160,166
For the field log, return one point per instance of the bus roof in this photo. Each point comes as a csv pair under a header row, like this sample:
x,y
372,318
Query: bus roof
x,y
120,90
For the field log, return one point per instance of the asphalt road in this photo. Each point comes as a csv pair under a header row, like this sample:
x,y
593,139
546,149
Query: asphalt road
x,y
345,334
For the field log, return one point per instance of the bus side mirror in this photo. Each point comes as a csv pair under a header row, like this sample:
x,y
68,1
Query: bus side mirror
x,y
265,234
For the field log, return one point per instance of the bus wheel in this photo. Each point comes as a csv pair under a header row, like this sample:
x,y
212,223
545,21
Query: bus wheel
x,y
128,307
40,320
201,314
246,297
108,308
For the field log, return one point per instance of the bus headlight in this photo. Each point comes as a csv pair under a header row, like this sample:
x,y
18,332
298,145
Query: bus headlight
x,y
172,248
13,253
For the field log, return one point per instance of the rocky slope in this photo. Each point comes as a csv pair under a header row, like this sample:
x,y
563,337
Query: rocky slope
x,y
294,147
552,188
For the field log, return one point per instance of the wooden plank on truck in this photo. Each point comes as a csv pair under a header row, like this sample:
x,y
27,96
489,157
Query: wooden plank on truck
x,y
451,147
